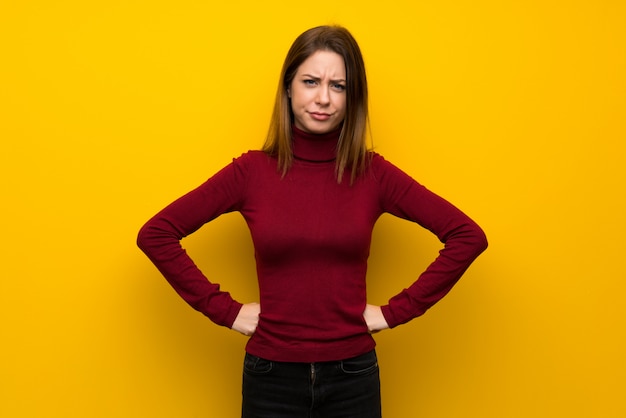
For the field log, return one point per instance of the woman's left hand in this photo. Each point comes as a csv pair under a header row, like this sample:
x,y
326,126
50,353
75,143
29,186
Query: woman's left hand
x,y
374,318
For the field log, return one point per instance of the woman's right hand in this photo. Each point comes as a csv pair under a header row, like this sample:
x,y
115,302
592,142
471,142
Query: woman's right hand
x,y
247,319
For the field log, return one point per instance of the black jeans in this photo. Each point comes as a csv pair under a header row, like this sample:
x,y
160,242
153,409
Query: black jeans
x,y
338,389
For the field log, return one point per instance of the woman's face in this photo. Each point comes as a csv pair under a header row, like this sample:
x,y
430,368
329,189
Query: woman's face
x,y
318,93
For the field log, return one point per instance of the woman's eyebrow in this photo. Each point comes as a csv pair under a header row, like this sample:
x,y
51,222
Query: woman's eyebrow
x,y
311,76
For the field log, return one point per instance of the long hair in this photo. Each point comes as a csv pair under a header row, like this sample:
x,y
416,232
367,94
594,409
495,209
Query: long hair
x,y
351,150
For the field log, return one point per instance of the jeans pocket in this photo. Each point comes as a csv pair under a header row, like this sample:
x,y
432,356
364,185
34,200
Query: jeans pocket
x,y
360,365
256,365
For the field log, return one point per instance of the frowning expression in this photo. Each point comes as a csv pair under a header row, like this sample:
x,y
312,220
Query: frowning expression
x,y
318,93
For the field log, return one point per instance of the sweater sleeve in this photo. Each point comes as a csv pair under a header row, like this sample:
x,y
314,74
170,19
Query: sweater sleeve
x,y
463,241
160,240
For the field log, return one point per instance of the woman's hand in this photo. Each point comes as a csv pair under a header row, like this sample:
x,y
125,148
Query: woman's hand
x,y
247,319
374,318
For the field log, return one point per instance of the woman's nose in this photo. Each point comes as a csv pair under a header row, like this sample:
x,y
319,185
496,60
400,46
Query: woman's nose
x,y
323,97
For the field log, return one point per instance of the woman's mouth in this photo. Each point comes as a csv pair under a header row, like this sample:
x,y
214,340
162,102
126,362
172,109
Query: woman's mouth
x,y
319,116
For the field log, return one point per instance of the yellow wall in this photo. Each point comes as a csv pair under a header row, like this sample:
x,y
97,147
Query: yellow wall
x,y
515,111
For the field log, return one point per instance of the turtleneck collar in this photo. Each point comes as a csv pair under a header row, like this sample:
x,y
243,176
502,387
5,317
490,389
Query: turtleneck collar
x,y
315,147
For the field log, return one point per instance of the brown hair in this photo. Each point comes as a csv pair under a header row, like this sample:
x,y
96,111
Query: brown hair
x,y
351,149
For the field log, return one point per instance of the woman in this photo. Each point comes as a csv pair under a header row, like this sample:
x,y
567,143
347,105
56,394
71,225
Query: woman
x,y
311,197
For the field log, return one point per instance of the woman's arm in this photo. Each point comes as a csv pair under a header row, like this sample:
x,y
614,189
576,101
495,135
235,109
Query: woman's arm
x,y
160,240
463,241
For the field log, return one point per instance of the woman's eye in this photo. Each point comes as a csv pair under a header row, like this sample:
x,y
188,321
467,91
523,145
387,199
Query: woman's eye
x,y
339,87
309,82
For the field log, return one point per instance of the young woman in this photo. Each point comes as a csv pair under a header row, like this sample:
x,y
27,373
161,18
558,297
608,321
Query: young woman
x,y
311,198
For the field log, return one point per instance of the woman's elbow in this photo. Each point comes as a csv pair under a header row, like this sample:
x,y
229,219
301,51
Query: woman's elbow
x,y
143,238
481,243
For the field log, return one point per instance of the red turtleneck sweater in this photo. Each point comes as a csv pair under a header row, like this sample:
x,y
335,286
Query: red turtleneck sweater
x,y
312,238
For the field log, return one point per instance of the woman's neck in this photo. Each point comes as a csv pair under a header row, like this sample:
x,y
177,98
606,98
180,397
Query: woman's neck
x,y
315,147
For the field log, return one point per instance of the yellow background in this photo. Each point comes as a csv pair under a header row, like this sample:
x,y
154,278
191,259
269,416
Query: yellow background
x,y
513,110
